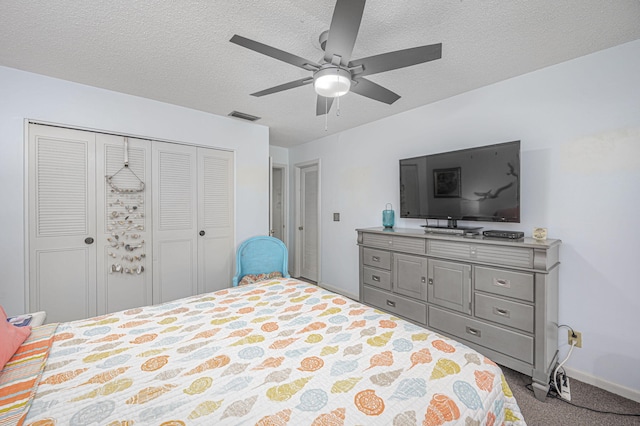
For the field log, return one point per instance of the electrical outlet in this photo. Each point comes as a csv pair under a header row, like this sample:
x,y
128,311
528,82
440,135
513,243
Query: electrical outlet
x,y
577,338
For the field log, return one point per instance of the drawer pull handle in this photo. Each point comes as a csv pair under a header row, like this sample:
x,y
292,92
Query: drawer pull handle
x,y
430,281
501,312
375,258
391,303
375,278
473,332
501,282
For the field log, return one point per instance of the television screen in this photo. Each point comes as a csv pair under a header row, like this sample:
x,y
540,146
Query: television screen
x,y
480,184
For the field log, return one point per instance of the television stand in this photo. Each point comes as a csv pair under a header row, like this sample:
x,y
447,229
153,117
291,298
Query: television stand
x,y
499,297
459,230
452,228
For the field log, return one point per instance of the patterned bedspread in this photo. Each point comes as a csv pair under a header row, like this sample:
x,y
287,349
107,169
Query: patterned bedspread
x,y
271,353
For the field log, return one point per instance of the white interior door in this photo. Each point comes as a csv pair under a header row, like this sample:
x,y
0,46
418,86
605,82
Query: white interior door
x,y
62,224
309,181
175,221
215,219
277,202
123,218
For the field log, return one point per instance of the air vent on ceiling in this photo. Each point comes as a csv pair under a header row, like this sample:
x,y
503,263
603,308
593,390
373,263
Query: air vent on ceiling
x,y
243,116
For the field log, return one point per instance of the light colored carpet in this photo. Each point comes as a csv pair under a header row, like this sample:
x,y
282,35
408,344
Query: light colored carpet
x,y
554,412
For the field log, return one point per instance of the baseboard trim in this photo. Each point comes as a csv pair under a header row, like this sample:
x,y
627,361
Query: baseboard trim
x,y
632,394
338,290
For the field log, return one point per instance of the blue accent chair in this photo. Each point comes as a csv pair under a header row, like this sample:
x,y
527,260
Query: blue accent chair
x,y
261,255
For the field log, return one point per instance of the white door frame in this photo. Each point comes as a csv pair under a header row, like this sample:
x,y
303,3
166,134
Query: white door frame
x,y
298,220
285,203
270,232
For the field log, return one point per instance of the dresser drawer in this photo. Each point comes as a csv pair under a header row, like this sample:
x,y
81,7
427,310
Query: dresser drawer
x,y
498,339
409,245
502,255
403,244
377,240
514,314
377,278
396,304
518,285
377,258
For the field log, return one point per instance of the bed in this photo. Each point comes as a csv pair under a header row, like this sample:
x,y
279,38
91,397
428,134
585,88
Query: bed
x,y
276,352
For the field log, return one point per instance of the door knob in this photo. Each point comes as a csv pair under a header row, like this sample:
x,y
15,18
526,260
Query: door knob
x,y
88,240
201,233
300,228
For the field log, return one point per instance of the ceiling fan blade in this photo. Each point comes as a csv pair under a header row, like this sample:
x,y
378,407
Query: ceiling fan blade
x,y
374,91
343,31
323,105
398,59
274,53
285,86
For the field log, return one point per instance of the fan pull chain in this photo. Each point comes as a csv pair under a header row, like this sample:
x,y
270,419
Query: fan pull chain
x,y
338,107
126,152
326,115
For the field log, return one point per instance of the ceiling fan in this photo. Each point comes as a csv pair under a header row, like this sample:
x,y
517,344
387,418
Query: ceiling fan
x,y
337,74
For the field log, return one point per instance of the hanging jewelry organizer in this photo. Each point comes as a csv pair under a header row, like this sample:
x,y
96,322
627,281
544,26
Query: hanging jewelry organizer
x,y
125,218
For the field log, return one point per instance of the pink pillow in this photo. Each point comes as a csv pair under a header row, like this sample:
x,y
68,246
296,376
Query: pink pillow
x,y
11,337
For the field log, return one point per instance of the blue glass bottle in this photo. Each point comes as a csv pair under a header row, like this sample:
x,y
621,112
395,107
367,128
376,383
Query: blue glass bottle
x,y
388,216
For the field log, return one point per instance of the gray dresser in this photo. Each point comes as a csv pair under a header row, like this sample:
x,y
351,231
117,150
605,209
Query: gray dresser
x,y
497,296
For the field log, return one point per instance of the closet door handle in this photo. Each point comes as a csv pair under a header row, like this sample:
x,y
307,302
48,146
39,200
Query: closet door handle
x,y
201,233
88,240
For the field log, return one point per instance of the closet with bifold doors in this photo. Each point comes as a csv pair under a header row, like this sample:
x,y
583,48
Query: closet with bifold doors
x,y
118,222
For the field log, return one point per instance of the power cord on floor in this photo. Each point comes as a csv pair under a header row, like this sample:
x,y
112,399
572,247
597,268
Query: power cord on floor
x,y
553,394
557,394
555,372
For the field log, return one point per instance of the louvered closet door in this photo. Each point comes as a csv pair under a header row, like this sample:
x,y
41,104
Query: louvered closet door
x,y
123,218
175,221
215,219
62,227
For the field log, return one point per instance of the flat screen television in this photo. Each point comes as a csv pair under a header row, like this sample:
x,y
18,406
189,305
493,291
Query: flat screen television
x,y
475,184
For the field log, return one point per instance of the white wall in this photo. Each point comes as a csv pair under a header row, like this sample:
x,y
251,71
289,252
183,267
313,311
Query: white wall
x,y
30,96
279,155
579,123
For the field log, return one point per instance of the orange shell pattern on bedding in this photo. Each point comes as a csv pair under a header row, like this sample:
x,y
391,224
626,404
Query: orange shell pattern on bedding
x,y
276,352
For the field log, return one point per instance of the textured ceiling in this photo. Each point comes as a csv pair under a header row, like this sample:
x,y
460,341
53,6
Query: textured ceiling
x,y
179,51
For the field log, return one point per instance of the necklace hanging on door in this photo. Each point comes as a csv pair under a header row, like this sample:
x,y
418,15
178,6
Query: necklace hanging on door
x,y
113,186
127,217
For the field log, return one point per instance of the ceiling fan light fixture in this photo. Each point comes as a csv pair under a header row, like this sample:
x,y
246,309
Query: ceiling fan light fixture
x,y
332,82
